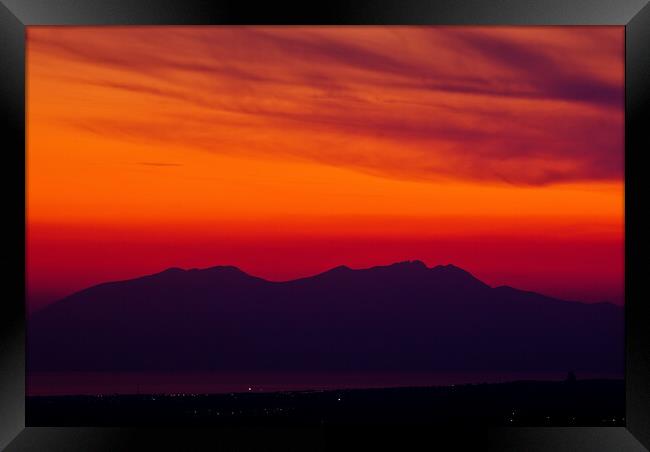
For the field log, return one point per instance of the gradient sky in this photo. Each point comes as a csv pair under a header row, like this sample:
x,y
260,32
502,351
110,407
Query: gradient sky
x,y
289,150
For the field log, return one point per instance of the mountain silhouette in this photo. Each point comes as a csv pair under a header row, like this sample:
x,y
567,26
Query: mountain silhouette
x,y
404,316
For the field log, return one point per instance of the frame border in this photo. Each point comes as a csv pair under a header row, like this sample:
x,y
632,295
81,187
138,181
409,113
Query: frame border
x,y
15,15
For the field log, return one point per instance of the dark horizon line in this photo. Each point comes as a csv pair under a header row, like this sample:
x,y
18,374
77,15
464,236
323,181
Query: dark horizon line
x,y
566,379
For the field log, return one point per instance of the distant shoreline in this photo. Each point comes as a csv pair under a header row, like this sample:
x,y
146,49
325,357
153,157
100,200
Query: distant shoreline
x,y
215,382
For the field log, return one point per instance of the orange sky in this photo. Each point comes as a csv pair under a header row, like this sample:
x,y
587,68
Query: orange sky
x,y
289,150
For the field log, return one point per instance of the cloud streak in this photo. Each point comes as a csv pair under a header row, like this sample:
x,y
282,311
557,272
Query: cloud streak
x,y
530,106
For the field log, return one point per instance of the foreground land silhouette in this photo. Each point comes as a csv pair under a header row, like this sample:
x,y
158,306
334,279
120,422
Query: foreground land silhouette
x,y
524,403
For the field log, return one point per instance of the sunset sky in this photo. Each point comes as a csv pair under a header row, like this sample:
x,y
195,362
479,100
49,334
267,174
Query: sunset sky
x,y
286,151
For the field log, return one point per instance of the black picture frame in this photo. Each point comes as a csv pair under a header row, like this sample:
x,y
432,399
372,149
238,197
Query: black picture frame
x,y
15,15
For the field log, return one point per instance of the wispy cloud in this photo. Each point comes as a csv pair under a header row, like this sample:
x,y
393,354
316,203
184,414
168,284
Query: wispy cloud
x,y
528,106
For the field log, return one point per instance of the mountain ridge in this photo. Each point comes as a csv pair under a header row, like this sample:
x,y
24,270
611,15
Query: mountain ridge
x,y
340,268
399,316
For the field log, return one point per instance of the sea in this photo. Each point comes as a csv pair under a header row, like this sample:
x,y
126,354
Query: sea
x,y
109,383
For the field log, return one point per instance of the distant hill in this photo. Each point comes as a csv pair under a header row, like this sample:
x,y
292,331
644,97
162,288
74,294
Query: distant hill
x,y
404,316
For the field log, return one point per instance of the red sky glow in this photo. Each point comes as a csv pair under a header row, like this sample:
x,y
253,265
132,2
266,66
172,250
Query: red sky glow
x,y
289,150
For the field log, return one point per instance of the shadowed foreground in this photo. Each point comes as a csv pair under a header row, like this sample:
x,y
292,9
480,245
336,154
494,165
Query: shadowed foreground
x,y
524,403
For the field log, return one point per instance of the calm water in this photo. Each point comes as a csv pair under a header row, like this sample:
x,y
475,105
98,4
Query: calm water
x,y
83,383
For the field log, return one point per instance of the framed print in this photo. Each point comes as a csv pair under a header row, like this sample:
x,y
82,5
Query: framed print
x,y
250,226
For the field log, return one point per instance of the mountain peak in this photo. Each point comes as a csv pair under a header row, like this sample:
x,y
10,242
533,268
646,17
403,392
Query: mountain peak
x,y
414,263
405,265
222,273
223,268
340,268
172,270
450,268
227,273
457,273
